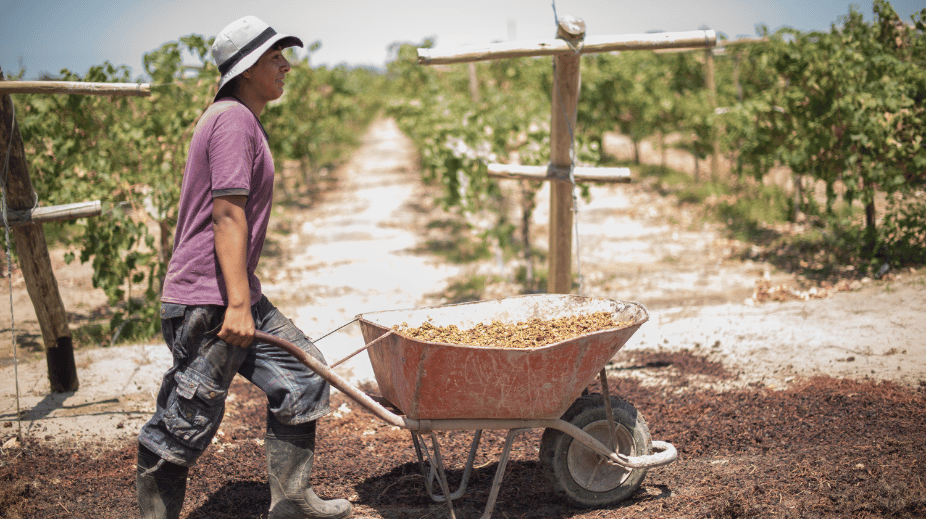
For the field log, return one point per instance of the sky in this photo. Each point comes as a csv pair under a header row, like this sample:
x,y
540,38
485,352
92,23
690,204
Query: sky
x,y
44,36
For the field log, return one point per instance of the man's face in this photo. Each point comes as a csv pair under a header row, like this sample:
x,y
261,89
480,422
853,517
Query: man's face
x,y
266,76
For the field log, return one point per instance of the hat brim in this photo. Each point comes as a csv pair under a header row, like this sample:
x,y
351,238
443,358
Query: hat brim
x,y
251,58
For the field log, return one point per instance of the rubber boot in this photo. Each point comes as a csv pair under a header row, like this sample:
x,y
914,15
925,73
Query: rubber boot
x,y
161,486
290,454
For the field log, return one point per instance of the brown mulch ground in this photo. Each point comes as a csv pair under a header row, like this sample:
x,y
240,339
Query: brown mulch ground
x,y
823,447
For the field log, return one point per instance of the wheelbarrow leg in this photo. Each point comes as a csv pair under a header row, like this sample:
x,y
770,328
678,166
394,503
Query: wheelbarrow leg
x,y
430,473
437,462
608,411
500,471
442,475
427,474
468,468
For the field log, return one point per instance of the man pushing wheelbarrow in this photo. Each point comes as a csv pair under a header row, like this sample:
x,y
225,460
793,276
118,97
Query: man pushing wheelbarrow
x,y
595,449
212,302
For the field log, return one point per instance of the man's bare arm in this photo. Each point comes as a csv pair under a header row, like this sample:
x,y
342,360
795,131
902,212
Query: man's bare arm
x,y
231,247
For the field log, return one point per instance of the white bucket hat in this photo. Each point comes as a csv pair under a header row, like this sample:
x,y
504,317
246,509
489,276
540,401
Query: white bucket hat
x,y
242,43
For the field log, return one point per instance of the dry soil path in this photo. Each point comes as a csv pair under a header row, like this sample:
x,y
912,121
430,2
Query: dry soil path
x,y
356,251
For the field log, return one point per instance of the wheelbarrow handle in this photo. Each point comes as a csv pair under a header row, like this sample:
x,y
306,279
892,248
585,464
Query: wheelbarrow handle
x,y
337,381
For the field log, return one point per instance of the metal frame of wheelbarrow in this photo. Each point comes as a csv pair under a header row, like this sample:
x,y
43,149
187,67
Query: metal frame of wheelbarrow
x,y
418,428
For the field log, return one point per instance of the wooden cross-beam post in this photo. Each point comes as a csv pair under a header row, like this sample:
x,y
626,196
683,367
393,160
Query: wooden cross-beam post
x,y
566,49
565,100
35,261
25,222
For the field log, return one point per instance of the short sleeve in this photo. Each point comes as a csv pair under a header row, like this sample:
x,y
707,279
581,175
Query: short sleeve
x,y
231,155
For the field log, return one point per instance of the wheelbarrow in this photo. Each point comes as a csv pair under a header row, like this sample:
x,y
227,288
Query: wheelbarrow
x,y
595,448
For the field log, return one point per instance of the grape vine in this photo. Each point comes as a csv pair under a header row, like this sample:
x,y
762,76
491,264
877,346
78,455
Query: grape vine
x,y
845,107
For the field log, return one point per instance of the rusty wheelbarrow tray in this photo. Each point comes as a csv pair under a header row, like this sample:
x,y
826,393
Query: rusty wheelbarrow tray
x,y
595,448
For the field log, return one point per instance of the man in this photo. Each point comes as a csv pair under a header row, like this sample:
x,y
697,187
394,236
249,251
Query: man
x,y
212,302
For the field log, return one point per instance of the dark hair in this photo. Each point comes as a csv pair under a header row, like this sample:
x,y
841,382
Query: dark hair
x,y
228,88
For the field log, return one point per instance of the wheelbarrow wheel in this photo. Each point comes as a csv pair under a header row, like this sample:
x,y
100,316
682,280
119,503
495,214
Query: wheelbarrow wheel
x,y
579,475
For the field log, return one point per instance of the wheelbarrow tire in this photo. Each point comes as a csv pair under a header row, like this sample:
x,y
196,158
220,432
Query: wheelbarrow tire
x,y
583,478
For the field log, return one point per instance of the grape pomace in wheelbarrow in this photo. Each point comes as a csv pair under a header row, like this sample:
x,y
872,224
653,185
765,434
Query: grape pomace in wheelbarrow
x,y
595,449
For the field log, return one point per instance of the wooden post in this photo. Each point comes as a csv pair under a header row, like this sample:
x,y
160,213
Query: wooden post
x,y
34,259
590,45
566,83
712,99
579,173
55,213
473,82
76,87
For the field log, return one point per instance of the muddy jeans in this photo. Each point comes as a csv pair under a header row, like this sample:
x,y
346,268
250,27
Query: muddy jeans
x,y
191,401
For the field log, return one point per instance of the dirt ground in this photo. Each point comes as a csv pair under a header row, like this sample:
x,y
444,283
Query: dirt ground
x,y
810,407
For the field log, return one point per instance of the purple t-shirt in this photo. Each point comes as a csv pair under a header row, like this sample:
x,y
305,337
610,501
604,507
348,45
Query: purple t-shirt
x,y
229,155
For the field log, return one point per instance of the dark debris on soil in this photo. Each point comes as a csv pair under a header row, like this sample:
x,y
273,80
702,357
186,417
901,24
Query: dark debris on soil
x,y
823,447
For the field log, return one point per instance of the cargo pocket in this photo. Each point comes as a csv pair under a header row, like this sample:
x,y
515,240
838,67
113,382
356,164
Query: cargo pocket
x,y
194,411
